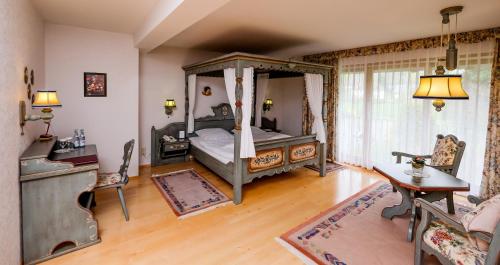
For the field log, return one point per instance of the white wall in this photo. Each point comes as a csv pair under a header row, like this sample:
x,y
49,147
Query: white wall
x,y
203,105
287,94
21,44
162,77
109,121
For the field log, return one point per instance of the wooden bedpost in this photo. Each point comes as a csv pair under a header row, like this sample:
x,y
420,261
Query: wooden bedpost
x,y
186,104
322,157
238,162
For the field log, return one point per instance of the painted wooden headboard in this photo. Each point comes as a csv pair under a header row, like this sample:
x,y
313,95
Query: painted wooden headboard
x,y
223,118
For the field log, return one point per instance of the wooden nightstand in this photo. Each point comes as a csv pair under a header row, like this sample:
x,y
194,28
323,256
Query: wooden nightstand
x,y
171,152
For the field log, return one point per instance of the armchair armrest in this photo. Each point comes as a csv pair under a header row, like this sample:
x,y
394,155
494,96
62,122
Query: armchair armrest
x,y
433,210
398,156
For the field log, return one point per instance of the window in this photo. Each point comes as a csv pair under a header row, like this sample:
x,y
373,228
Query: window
x,y
377,114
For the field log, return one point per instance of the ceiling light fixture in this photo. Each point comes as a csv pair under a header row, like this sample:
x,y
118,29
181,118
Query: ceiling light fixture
x,y
440,86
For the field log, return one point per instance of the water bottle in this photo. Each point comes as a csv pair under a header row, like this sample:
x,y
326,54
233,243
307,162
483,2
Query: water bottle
x,y
82,138
76,139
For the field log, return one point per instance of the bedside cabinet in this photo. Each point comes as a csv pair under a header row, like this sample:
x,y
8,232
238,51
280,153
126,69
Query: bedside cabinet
x,y
171,152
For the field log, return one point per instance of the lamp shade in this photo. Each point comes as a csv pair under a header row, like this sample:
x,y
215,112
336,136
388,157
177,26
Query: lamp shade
x,y
268,102
441,87
170,103
46,99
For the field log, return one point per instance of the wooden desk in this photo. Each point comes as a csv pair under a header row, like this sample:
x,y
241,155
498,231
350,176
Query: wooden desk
x,y
53,221
433,188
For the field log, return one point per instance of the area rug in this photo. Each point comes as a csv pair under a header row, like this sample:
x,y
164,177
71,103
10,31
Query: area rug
x,y
188,193
354,232
330,167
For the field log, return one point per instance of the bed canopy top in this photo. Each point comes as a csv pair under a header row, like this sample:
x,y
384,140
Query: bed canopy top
x,y
277,68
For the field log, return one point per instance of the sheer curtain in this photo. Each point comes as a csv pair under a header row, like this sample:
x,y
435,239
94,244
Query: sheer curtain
x,y
314,90
192,101
377,114
260,96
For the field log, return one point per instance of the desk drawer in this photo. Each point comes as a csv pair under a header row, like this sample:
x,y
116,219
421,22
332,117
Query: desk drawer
x,y
179,146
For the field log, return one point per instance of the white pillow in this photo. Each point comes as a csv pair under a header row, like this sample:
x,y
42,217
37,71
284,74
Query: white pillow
x,y
213,134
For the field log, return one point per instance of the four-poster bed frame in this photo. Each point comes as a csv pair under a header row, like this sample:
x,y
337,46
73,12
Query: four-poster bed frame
x,y
272,156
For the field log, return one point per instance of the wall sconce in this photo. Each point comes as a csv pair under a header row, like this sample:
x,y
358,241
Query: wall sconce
x,y
45,100
169,106
268,103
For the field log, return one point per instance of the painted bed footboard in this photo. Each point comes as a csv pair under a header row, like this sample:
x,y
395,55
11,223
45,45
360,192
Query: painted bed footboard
x,y
281,155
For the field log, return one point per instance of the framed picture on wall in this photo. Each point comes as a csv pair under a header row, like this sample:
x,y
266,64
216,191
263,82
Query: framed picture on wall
x,y
94,84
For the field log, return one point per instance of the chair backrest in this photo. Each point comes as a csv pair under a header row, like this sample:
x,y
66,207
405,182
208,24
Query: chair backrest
x,y
448,153
128,148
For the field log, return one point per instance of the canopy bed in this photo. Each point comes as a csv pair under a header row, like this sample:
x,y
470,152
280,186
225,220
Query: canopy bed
x,y
227,143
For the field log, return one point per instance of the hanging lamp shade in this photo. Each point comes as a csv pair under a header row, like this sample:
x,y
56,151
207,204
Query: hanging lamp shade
x,y
441,87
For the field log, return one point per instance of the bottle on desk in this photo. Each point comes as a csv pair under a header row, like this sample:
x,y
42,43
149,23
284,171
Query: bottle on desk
x,y
76,139
82,138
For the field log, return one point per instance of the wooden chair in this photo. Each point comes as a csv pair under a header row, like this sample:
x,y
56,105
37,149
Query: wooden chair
x,y
437,224
116,180
447,155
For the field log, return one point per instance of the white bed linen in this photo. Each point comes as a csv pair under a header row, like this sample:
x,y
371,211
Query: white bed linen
x,y
222,149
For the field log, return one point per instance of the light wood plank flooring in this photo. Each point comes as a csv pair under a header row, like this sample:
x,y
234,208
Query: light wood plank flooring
x,y
234,234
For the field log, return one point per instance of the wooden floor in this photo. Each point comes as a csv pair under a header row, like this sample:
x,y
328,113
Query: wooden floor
x,y
233,234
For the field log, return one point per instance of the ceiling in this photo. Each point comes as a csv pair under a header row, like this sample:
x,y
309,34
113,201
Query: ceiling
x,y
299,27
124,16
282,27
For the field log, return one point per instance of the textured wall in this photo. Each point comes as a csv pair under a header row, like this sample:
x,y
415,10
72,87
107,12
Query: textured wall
x,y
109,121
161,77
21,44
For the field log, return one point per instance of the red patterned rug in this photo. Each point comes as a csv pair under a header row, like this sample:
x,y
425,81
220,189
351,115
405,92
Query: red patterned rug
x,y
354,232
330,167
188,193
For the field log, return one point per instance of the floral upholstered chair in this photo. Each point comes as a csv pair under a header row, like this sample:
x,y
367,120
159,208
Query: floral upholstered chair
x,y
473,240
116,180
446,157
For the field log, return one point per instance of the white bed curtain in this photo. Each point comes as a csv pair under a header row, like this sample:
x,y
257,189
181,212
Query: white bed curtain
x,y
230,81
260,96
247,147
314,90
192,101
377,114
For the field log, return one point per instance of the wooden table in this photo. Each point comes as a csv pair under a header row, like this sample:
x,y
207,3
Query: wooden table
x,y
437,186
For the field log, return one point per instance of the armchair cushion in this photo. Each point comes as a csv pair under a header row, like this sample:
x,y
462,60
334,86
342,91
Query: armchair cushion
x,y
106,179
444,152
453,244
483,218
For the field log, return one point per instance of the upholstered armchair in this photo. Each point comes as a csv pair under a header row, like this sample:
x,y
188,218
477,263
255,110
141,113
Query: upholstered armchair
x,y
116,180
443,236
446,157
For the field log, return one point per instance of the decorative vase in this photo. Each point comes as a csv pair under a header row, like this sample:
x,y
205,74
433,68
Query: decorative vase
x,y
417,168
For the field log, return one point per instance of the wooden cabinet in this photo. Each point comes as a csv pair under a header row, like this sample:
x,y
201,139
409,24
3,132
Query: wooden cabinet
x,y
53,222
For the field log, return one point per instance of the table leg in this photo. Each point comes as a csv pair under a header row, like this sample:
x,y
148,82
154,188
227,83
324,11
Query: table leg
x,y
400,209
413,216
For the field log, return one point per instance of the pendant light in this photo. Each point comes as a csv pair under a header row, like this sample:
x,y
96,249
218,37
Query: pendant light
x,y
440,86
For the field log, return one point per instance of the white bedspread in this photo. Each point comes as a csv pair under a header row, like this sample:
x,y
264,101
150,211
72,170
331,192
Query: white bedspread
x,y
222,149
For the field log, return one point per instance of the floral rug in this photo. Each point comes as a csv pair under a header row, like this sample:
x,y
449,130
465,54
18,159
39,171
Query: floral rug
x,y
188,193
330,167
354,232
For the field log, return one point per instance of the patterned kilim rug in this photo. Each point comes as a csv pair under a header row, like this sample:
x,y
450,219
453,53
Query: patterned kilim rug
x,y
188,193
354,232
330,167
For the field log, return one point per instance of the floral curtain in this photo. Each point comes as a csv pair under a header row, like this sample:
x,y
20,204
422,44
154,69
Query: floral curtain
x,y
490,185
332,58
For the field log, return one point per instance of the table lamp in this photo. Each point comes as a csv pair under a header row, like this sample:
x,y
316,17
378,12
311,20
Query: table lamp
x,y
46,100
